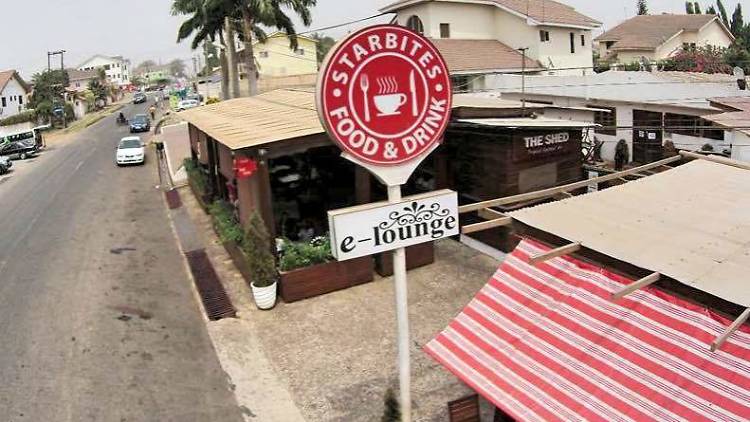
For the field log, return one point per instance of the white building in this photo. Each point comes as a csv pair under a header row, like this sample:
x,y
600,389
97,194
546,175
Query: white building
x,y
116,67
657,37
558,39
645,109
13,93
736,122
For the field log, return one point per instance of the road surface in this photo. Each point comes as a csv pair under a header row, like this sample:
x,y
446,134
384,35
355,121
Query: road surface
x,y
98,320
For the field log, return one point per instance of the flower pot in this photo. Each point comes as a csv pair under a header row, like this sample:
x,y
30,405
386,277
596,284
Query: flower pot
x,y
265,297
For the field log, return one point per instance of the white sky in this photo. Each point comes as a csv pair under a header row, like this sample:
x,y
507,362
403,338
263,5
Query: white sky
x,y
144,29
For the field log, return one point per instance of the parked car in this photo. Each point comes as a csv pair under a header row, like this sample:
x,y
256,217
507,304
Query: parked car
x,y
140,123
130,150
187,104
5,164
22,145
139,98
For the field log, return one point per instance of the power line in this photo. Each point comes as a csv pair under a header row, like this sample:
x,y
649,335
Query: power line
x,y
325,28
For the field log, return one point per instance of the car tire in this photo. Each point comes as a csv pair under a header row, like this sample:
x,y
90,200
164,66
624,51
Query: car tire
x,y
23,156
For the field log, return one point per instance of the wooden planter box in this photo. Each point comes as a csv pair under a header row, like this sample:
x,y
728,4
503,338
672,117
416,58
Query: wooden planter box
x,y
238,258
325,278
203,199
416,256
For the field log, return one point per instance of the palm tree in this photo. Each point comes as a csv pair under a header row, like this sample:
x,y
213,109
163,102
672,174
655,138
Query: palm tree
x,y
256,14
207,23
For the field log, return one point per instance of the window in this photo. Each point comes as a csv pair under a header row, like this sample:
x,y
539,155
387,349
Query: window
x,y
445,30
681,124
20,100
106,67
544,36
583,40
299,51
263,54
607,120
415,24
572,43
4,103
609,44
78,84
461,83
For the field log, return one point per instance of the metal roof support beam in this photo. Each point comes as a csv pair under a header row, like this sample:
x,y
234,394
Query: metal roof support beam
x,y
645,281
716,345
716,159
546,193
554,253
486,225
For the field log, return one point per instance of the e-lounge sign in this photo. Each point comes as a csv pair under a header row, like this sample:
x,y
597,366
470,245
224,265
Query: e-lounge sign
x,y
374,228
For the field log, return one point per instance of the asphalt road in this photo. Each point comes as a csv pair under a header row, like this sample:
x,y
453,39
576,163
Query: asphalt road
x,y
98,320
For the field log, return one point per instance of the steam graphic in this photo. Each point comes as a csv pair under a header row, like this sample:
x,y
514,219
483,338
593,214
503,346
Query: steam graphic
x,y
387,85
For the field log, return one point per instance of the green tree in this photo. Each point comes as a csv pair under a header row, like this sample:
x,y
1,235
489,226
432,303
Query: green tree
x,y
99,90
177,68
697,8
722,12
49,89
689,8
738,23
325,43
392,412
210,52
146,65
642,7
711,10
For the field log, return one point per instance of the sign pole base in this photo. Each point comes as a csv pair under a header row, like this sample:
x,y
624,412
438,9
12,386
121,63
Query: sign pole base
x,y
402,316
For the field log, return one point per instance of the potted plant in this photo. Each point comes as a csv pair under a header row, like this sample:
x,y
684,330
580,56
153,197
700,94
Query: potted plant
x,y
261,263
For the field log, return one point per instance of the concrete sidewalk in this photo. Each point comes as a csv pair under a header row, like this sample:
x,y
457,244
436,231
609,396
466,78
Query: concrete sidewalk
x,y
259,390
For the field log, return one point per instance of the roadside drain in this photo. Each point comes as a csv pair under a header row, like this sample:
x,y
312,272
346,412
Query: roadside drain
x,y
119,251
216,302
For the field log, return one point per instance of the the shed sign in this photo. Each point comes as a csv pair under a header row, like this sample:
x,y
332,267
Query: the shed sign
x,y
374,228
384,95
544,144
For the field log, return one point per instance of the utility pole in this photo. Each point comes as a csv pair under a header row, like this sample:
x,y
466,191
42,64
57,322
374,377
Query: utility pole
x,y
60,53
523,51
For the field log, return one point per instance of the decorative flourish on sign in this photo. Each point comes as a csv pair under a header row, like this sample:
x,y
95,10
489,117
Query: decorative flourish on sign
x,y
414,213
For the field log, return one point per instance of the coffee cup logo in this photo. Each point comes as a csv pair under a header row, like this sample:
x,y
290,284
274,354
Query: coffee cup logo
x,y
389,104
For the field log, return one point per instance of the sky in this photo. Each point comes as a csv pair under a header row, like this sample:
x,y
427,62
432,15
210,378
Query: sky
x,y
145,29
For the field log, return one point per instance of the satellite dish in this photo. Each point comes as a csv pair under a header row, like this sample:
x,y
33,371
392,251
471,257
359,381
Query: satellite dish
x,y
739,73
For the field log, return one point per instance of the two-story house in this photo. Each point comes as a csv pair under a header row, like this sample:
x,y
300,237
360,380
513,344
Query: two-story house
x,y
13,93
657,37
116,68
484,37
274,58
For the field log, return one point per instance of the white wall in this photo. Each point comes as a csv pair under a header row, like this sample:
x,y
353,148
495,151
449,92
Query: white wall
x,y
15,99
740,145
557,50
714,35
119,70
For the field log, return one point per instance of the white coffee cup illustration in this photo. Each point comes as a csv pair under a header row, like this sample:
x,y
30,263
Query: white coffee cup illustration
x,y
389,104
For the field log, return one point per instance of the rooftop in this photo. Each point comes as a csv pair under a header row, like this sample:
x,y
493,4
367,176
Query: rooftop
x,y
78,75
736,116
7,75
690,224
475,56
547,12
680,89
647,32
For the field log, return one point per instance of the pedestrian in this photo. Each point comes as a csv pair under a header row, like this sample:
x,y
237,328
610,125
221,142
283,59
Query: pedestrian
x,y
152,110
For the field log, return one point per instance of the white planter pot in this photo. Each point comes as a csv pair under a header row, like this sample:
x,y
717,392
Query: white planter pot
x,y
265,297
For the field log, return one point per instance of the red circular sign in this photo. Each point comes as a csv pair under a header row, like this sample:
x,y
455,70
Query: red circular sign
x,y
384,95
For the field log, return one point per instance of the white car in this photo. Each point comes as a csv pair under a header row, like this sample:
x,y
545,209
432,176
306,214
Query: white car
x,y
186,104
130,150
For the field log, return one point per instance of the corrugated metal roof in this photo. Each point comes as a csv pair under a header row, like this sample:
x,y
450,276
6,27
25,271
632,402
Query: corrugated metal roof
x,y
690,224
253,121
540,122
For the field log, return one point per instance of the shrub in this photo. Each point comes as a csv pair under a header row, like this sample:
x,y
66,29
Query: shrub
x,y
195,173
23,117
226,226
296,255
212,100
257,248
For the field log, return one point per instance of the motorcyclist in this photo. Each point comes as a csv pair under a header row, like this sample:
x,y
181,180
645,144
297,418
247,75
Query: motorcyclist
x,y
121,118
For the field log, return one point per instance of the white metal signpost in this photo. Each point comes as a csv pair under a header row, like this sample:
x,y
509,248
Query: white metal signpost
x,y
384,96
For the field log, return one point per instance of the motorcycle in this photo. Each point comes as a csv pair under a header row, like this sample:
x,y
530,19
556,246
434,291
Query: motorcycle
x,y
121,120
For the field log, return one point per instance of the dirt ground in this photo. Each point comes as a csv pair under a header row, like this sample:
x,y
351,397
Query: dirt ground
x,y
336,354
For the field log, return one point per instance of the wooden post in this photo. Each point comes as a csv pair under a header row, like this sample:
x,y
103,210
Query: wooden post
x,y
362,186
486,225
645,281
554,253
731,329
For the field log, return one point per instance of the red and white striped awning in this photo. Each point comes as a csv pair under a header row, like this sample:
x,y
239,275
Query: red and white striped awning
x,y
547,343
